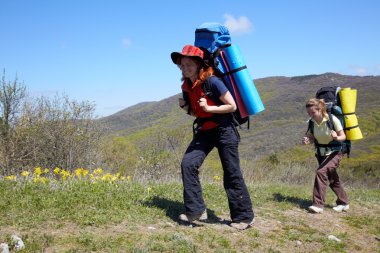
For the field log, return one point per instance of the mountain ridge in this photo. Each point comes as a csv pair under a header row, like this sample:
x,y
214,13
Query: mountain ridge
x,y
283,119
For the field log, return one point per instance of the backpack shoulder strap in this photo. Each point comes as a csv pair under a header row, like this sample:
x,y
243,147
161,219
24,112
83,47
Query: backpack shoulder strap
x,y
310,127
206,87
330,121
207,90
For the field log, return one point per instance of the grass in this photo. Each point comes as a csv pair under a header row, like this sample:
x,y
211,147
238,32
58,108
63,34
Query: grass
x,y
84,216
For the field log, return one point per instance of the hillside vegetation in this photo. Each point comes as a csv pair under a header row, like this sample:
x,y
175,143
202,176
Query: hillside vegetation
x,y
48,132
273,140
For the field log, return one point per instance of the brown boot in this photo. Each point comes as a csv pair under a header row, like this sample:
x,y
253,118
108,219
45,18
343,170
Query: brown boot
x,y
242,225
194,217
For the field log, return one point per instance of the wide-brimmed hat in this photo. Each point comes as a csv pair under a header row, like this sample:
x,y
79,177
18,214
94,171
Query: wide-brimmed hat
x,y
189,51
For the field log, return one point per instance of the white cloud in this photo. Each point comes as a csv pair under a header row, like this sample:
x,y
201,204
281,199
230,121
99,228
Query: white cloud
x,y
364,71
239,25
361,71
127,43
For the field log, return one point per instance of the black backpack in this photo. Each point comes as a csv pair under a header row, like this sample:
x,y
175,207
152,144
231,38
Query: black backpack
x,y
330,96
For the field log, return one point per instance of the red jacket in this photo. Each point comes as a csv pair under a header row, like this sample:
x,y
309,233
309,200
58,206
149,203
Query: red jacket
x,y
195,92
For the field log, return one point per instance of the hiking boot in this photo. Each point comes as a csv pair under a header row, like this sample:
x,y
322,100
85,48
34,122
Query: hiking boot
x,y
242,225
194,217
315,209
341,208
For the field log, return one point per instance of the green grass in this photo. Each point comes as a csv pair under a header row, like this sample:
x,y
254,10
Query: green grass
x,y
80,216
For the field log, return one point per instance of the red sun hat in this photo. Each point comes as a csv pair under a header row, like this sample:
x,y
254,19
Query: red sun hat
x,y
189,51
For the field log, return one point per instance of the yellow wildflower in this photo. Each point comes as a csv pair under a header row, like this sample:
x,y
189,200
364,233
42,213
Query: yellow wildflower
x,y
84,172
64,174
37,171
11,178
46,171
42,180
78,172
81,172
216,178
129,178
98,172
25,173
107,177
56,170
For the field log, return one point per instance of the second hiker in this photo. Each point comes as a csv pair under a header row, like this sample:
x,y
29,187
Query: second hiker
x,y
213,127
328,156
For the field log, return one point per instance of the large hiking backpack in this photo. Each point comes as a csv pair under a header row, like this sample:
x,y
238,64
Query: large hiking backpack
x,y
212,38
333,106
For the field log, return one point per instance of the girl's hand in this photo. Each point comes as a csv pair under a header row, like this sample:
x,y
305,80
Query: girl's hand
x,y
334,135
203,104
181,102
306,140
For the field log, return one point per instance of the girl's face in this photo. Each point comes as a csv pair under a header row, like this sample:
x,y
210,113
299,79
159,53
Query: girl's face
x,y
314,112
189,68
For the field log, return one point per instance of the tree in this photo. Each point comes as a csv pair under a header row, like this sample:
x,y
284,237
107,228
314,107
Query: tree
x,y
12,95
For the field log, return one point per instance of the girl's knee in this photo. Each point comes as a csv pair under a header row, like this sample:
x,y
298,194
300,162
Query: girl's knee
x,y
320,173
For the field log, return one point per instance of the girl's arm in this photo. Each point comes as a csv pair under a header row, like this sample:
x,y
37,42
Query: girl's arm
x,y
338,136
228,106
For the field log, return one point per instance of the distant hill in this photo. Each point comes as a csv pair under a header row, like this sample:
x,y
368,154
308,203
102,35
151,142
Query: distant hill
x,y
280,126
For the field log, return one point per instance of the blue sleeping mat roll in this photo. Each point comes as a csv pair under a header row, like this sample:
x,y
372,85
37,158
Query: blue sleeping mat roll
x,y
240,74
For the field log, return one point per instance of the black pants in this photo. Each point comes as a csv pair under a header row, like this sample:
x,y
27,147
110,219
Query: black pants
x,y
226,139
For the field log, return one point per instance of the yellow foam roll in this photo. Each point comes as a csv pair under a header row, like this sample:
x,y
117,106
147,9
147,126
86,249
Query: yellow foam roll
x,y
354,134
350,120
347,98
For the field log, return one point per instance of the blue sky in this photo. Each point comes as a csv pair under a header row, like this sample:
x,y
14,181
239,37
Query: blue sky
x,y
117,53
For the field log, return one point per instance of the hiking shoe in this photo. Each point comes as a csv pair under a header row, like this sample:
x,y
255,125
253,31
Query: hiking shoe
x,y
193,217
341,208
242,225
315,209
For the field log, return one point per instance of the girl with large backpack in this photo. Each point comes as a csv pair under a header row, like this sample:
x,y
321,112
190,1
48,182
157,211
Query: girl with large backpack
x,y
213,127
328,156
